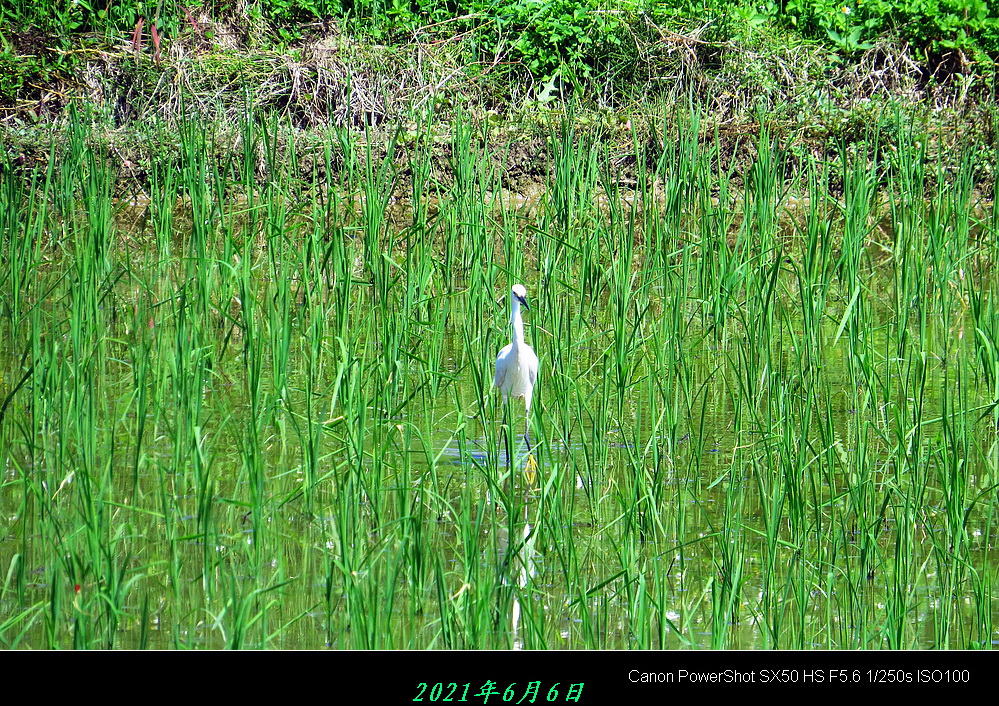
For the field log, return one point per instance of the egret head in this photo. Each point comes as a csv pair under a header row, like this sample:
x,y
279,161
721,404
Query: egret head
x,y
519,292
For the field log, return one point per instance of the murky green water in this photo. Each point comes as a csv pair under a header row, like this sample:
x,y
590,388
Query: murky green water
x,y
271,424
717,510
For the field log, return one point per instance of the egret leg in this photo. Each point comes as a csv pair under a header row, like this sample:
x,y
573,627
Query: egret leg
x,y
508,443
530,466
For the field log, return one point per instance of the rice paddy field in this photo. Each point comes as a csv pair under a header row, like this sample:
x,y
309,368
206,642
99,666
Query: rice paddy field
x,y
244,410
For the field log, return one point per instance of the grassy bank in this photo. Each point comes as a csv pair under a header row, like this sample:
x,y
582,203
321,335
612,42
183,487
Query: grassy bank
x,y
814,76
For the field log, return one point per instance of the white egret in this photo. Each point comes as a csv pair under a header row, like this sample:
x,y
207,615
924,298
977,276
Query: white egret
x,y
517,363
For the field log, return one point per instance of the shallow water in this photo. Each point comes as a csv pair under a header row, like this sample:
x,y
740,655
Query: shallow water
x,y
252,428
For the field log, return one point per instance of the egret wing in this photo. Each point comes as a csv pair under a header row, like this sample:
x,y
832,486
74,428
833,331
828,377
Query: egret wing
x,y
502,367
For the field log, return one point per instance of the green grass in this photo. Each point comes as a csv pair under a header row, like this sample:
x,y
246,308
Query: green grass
x,y
250,411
